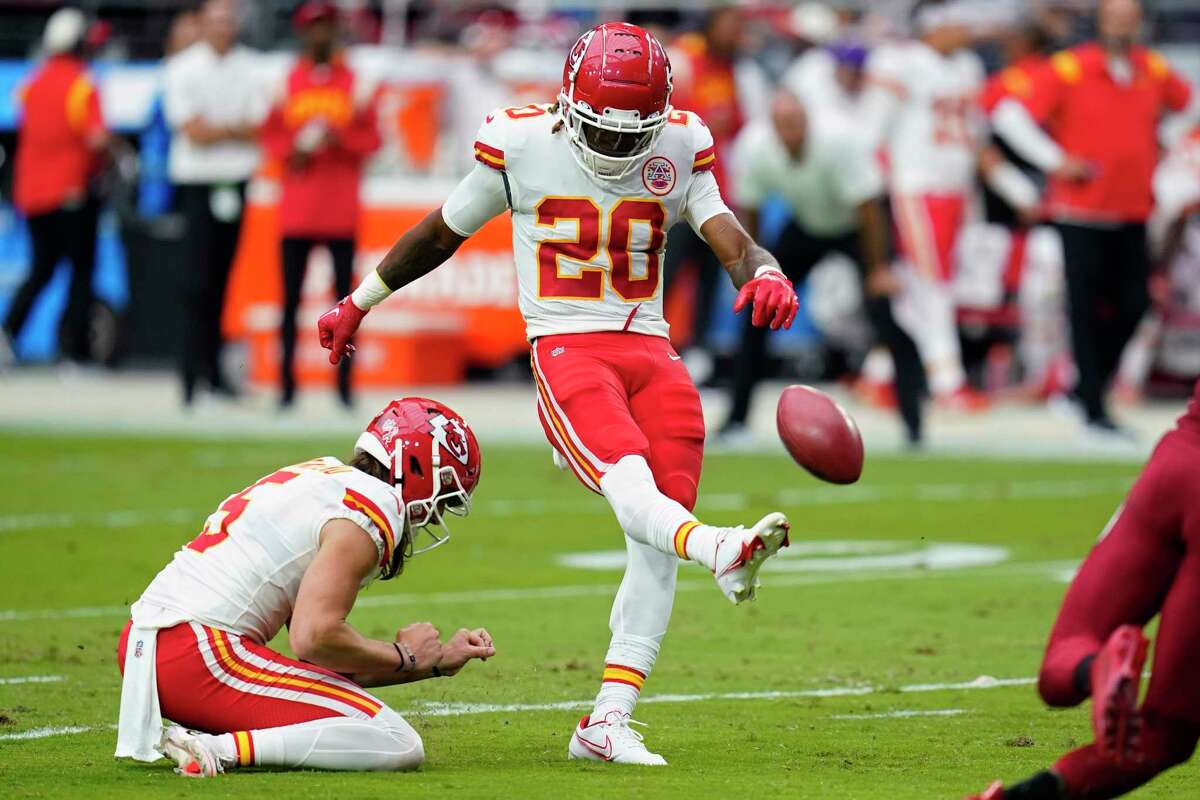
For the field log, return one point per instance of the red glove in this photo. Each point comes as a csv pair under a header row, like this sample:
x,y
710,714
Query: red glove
x,y
774,300
336,327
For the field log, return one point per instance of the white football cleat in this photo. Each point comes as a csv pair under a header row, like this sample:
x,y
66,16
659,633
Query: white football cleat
x,y
192,756
741,553
611,739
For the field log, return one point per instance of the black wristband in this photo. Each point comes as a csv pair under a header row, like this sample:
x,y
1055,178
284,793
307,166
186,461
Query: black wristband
x,y
400,653
437,673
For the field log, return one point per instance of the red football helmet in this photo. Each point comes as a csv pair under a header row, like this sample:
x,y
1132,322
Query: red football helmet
x,y
434,461
615,98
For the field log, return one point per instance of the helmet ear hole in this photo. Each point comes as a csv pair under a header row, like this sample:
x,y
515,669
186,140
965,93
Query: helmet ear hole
x,y
414,465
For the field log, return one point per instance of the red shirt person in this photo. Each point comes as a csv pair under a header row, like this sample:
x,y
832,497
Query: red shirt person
x,y
60,145
1100,103
322,130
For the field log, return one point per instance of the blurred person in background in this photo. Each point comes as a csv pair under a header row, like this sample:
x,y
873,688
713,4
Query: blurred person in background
x,y
214,103
703,65
920,107
1027,254
1100,103
321,131
61,146
834,189
828,75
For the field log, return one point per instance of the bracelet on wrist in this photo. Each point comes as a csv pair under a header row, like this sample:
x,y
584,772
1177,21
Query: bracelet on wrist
x,y
406,656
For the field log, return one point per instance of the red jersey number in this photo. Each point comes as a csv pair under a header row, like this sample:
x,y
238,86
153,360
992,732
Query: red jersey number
x,y
233,508
589,283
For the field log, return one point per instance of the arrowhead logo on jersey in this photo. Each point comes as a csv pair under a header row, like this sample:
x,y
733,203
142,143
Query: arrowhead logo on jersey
x,y
658,175
450,435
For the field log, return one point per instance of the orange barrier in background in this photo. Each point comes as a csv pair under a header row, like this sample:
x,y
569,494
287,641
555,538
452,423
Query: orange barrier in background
x,y
463,314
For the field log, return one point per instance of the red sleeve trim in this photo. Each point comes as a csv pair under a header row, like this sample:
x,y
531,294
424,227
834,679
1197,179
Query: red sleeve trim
x,y
359,502
706,159
491,156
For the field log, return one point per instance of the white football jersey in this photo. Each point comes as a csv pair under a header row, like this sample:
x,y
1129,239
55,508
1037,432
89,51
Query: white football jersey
x,y
588,252
242,573
924,108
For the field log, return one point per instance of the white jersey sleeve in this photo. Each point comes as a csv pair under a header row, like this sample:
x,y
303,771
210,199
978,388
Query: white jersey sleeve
x,y
476,199
484,192
703,200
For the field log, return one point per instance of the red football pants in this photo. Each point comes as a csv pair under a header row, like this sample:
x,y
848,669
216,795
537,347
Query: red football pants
x,y
927,228
1147,562
603,396
218,682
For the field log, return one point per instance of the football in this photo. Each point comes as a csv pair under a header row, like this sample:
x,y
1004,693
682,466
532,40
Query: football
x,y
819,435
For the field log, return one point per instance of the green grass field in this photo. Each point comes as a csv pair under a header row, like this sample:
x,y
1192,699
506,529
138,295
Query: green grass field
x,y
866,638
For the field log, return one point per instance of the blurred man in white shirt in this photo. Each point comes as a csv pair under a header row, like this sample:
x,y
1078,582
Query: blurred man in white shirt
x,y
214,103
830,180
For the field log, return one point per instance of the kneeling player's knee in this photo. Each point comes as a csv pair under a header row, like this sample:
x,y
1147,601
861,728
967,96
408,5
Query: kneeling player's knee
x,y
1056,689
408,751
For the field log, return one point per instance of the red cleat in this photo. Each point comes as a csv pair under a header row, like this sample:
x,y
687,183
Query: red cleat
x,y
993,792
964,399
1116,679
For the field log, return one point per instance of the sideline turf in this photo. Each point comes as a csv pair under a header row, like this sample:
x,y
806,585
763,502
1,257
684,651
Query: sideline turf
x,y
62,548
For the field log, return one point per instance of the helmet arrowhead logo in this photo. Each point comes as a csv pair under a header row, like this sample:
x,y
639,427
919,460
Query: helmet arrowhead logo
x,y
450,434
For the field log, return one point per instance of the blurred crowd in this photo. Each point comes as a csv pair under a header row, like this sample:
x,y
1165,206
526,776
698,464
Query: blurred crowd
x,y
983,200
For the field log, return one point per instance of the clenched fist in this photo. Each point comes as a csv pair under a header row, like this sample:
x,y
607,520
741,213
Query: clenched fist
x,y
422,639
774,300
463,646
337,326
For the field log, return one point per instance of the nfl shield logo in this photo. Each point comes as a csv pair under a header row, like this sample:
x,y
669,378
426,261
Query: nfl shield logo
x,y
658,175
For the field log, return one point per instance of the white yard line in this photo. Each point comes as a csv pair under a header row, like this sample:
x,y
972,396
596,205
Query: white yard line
x,y
32,679
731,501
464,709
469,709
45,733
904,714
1051,569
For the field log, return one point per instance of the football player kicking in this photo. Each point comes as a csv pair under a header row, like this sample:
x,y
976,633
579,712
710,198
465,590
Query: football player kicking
x,y
1147,562
295,549
593,183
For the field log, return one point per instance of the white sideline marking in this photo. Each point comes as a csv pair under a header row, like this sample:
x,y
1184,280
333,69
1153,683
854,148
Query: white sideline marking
x,y
32,679
44,733
819,495
463,709
1050,568
904,714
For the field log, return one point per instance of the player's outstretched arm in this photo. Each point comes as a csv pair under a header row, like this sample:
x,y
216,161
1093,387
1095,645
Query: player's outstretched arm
x,y
319,632
422,249
754,271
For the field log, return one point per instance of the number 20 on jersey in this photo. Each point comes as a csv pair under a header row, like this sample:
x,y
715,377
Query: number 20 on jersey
x,y
588,284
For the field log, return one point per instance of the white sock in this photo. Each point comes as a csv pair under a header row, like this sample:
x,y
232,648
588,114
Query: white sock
x,y
925,309
640,613
650,517
385,742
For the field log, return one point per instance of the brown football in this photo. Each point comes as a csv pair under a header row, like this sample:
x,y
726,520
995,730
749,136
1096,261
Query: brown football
x,y
822,437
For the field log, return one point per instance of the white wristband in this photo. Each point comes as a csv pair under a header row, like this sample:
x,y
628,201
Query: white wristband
x,y
372,291
765,268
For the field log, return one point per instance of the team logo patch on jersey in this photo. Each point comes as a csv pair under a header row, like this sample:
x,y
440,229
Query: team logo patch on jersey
x,y
658,175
